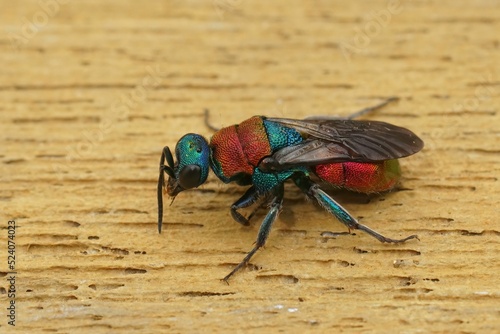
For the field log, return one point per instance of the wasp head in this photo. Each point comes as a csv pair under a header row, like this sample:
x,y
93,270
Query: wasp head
x,y
189,171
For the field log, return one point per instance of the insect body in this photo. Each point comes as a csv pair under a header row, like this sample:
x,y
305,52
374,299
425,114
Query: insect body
x,y
263,153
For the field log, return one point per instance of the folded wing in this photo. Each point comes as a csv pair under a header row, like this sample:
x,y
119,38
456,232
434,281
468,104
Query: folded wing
x,y
328,141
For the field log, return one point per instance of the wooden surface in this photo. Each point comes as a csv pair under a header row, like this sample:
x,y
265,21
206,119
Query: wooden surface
x,y
92,92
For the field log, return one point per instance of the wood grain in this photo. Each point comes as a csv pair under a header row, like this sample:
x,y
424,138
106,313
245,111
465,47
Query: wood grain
x,y
91,91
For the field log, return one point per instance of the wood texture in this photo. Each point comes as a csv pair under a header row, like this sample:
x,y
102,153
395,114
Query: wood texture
x,y
91,91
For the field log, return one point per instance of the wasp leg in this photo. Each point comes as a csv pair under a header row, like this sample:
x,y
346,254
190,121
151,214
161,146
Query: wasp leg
x,y
206,114
315,192
264,229
372,108
249,198
357,113
261,205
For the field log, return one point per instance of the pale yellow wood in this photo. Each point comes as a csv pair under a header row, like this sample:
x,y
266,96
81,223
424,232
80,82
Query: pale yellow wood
x,y
92,92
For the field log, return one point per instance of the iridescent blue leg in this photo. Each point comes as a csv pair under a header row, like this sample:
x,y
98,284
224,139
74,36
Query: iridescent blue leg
x,y
315,192
265,228
249,198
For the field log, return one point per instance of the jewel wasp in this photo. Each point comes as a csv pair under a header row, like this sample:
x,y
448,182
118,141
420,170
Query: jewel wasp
x,y
264,152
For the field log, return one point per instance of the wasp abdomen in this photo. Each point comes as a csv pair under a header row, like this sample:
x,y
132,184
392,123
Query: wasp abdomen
x,y
364,177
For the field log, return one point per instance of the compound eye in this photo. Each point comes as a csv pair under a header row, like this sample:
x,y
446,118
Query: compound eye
x,y
189,176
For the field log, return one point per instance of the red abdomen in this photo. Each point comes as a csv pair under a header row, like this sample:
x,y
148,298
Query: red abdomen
x,y
361,176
